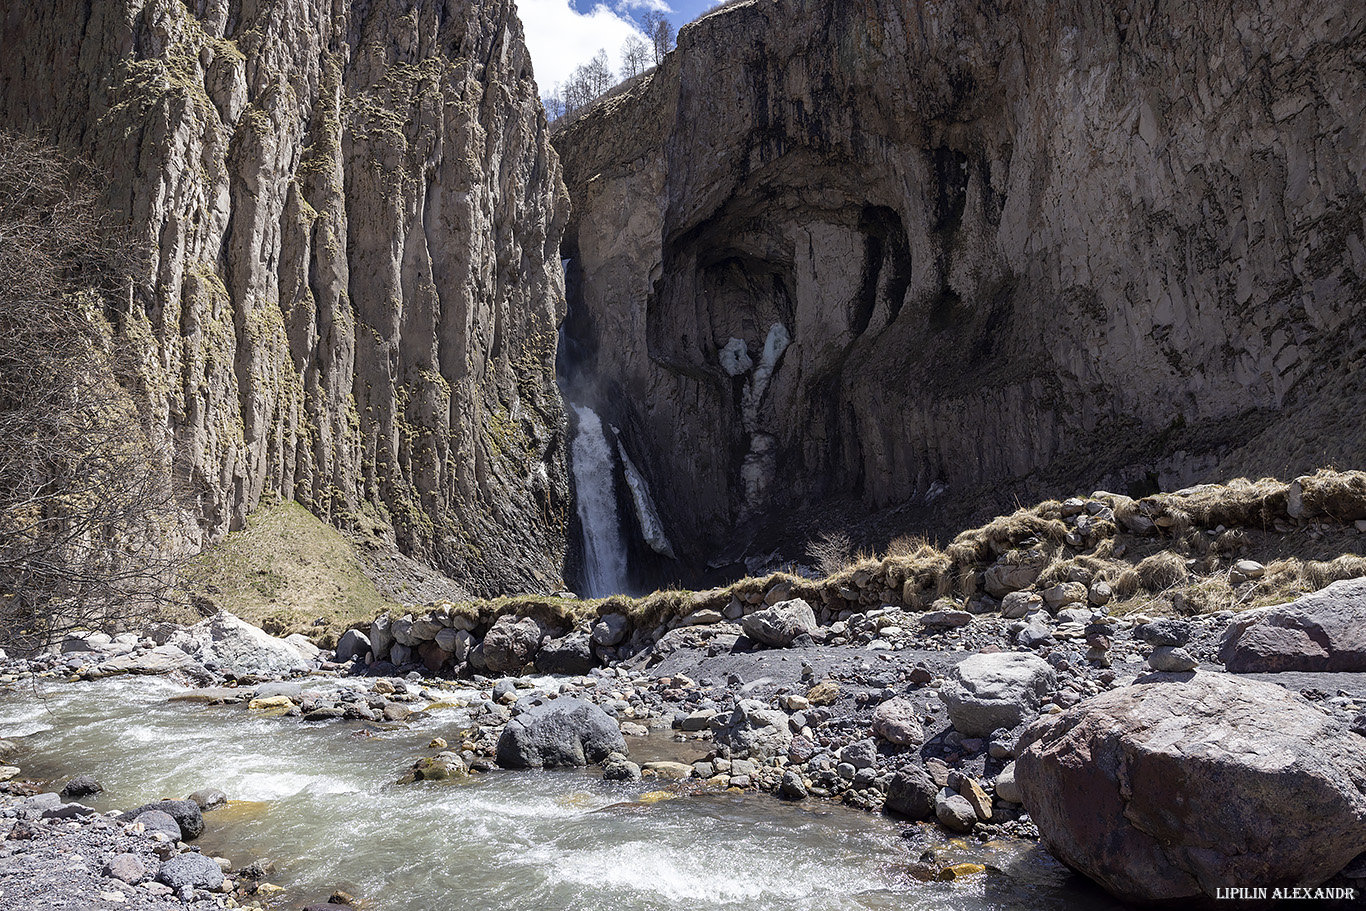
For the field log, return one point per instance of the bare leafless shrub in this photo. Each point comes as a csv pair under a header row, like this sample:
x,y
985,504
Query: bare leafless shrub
x,y
831,552
85,501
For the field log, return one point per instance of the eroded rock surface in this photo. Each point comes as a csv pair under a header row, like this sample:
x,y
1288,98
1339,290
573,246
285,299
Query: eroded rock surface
x,y
354,214
1180,785
898,252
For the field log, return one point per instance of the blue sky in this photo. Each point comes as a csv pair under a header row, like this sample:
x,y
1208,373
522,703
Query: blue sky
x,y
562,34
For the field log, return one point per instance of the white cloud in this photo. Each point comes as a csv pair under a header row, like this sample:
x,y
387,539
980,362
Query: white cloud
x,y
560,38
658,6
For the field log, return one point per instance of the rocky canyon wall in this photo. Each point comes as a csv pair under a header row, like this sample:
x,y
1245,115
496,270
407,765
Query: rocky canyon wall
x,y
355,216
902,253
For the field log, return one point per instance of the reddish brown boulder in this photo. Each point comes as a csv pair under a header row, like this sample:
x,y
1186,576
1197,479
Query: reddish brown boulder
x,y
1324,631
1183,784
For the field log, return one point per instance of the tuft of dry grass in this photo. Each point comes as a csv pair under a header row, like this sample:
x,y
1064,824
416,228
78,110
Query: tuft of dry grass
x,y
1161,571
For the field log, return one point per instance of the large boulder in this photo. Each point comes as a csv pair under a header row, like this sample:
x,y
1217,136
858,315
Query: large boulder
x,y
611,629
382,636
752,730
1325,631
511,644
571,655
158,661
562,732
780,624
1181,785
353,645
233,647
1001,690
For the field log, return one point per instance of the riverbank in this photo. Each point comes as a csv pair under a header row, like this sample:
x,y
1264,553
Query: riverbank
x,y
705,711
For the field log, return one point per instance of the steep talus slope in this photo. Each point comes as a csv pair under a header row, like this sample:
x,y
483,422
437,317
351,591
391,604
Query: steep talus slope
x,y
1021,248
355,214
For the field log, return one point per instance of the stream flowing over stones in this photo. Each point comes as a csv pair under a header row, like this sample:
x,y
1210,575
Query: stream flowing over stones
x,y
330,811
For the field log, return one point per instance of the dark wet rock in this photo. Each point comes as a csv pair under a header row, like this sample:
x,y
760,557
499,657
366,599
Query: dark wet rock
x,y
912,792
1324,631
1181,784
619,768
81,786
324,713
571,655
563,732
208,798
441,767
186,813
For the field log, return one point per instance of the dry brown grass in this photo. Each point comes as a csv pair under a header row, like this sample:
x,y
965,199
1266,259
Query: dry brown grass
x,y
1183,568
983,545
1161,571
1239,503
1339,495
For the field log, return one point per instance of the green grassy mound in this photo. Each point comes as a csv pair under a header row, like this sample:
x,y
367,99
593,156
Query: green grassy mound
x,y
288,572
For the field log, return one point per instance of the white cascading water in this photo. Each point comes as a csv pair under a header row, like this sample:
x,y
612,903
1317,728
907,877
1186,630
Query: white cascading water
x,y
604,552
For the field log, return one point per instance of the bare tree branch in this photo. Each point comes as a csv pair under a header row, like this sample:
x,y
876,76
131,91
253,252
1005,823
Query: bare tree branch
x,y
85,503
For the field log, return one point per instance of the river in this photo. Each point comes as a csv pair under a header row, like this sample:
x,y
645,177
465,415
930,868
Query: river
x,y
327,804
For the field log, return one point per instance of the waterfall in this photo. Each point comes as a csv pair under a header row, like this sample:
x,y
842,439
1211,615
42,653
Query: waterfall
x,y
604,552
651,528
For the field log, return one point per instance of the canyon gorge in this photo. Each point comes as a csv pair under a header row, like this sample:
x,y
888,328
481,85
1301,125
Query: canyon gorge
x,y
878,265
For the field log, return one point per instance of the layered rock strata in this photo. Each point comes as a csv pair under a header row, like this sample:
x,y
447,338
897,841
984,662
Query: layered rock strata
x,y
878,250
355,216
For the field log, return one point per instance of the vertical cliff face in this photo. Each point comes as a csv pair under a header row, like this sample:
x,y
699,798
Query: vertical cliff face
x,y
355,214
874,249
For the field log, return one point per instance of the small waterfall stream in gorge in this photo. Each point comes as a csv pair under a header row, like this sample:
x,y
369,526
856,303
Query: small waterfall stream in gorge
x,y
327,804
604,550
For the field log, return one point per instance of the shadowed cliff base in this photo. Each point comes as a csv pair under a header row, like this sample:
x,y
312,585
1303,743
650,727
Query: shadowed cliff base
x,y
1203,550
